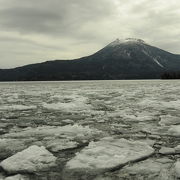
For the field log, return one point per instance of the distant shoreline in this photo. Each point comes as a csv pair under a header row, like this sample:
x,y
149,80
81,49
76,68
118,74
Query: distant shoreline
x,y
88,80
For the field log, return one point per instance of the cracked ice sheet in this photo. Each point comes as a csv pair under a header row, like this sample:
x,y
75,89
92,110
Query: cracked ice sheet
x,y
68,131
17,107
174,130
53,137
109,153
30,160
155,103
74,103
169,120
149,169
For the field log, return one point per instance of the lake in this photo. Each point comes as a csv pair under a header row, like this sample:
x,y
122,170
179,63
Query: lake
x,y
124,129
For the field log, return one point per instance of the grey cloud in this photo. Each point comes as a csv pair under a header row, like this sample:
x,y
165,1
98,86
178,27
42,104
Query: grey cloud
x,y
21,41
53,17
65,29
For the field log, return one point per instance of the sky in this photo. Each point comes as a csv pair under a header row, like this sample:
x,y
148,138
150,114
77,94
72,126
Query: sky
x,y
33,31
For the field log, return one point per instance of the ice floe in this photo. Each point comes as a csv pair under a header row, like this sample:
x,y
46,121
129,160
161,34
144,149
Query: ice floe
x,y
169,120
10,146
167,150
174,130
30,160
55,138
56,145
75,104
177,149
17,177
177,169
17,107
69,131
151,169
108,153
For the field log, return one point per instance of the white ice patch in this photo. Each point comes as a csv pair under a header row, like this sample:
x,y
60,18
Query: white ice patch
x,y
174,130
52,137
167,150
61,144
139,117
151,168
109,153
30,160
16,177
147,102
169,120
74,103
17,107
67,132
177,169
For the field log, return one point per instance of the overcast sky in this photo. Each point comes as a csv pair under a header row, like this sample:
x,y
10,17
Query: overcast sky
x,y
34,31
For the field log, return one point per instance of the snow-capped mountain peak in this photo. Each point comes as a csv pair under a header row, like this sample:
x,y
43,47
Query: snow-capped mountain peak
x,y
126,40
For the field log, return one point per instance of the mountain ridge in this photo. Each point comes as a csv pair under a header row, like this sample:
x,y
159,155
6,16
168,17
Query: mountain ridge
x,y
121,59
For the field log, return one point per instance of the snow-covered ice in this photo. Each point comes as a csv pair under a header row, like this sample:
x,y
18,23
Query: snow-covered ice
x,y
69,131
71,103
159,169
109,153
177,169
54,138
169,120
17,177
17,107
32,159
56,145
167,150
174,130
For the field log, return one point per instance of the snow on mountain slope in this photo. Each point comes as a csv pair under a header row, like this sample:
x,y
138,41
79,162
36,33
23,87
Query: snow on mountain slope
x,y
154,58
127,40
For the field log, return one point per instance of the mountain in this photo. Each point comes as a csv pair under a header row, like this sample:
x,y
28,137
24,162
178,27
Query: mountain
x,y
122,59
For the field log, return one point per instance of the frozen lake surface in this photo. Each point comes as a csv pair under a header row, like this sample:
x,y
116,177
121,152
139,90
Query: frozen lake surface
x,y
100,130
